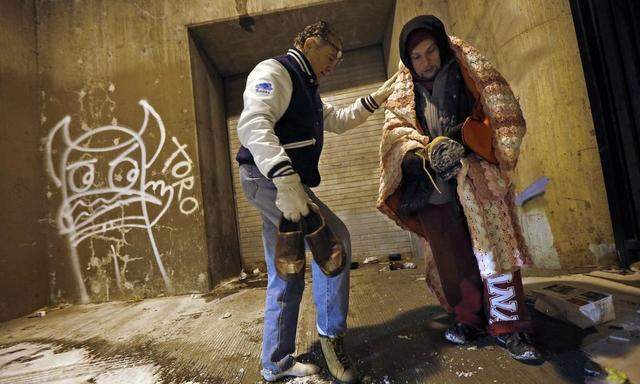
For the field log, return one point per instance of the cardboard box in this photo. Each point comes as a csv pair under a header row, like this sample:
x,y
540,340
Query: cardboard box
x,y
578,306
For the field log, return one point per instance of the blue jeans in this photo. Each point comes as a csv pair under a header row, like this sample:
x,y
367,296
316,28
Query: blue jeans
x,y
330,294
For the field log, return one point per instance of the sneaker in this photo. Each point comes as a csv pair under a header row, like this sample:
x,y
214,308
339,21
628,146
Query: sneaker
x,y
298,369
462,334
520,346
338,363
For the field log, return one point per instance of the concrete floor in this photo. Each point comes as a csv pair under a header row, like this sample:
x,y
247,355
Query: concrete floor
x,y
395,337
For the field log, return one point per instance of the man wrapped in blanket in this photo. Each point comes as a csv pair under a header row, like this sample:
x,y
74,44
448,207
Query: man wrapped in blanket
x,y
452,133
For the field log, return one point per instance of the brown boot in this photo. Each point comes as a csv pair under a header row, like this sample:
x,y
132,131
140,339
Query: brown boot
x,y
326,248
338,363
290,260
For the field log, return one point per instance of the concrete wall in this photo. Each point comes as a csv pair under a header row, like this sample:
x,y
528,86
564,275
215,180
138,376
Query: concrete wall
x,y
215,168
23,250
98,60
533,44
349,165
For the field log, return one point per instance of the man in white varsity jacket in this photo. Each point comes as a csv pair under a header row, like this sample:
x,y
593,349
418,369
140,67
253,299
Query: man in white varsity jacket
x,y
281,132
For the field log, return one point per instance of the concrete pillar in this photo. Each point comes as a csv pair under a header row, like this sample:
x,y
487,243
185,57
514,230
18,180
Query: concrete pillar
x,y
24,279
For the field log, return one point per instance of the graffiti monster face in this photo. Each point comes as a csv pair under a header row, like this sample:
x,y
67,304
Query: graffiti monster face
x,y
103,171
102,176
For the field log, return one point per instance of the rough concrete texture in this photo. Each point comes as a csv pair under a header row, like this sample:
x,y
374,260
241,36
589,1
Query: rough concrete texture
x,y
215,169
236,49
112,234
533,44
124,198
23,245
395,337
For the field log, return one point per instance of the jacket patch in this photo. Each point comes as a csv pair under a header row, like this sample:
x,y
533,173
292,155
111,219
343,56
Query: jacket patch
x,y
264,88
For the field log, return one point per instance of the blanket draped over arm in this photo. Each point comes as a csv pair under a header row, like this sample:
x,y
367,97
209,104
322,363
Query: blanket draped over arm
x,y
483,189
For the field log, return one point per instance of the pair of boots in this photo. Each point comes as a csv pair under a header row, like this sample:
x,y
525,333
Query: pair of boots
x,y
519,344
328,252
338,364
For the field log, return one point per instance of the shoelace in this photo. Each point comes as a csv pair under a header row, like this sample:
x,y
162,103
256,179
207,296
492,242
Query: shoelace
x,y
424,166
525,337
338,347
518,338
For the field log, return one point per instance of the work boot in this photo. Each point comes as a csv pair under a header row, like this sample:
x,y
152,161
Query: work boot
x,y
520,346
462,334
290,260
338,363
325,247
298,369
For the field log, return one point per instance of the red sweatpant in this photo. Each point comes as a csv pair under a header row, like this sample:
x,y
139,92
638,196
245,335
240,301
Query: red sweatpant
x,y
497,303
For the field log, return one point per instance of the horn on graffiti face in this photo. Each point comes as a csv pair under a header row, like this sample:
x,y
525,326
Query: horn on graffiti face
x,y
63,125
148,110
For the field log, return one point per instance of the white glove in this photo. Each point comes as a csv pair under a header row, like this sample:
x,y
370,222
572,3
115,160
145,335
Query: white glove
x,y
381,94
291,198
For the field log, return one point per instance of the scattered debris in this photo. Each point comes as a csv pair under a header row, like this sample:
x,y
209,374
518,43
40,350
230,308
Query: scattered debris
x,y
616,376
60,306
355,265
421,278
371,260
193,315
395,257
593,369
257,271
404,337
628,278
578,306
399,265
226,315
619,353
472,348
243,275
619,338
40,313
464,374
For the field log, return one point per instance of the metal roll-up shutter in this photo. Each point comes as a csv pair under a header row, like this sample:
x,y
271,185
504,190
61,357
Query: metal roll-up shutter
x,y
349,165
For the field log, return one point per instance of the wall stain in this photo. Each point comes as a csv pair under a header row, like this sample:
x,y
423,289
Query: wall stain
x,y
245,21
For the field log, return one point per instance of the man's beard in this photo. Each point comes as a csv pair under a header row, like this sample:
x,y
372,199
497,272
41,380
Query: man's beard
x,y
428,76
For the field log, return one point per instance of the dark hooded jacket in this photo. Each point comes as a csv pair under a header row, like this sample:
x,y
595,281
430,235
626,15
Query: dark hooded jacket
x,y
454,103
431,24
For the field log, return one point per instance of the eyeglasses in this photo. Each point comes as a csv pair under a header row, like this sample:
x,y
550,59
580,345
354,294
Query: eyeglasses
x,y
338,57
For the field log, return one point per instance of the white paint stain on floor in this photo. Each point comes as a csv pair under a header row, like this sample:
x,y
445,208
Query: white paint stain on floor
x,y
46,363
